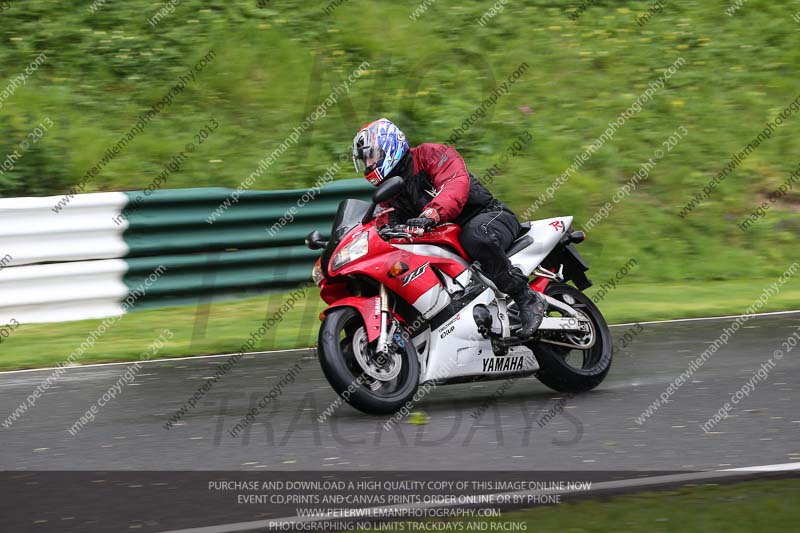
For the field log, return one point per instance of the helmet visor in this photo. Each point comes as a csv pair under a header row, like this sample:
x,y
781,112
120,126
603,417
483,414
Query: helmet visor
x,y
366,158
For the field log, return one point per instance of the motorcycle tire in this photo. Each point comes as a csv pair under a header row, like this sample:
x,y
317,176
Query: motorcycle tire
x,y
336,349
555,371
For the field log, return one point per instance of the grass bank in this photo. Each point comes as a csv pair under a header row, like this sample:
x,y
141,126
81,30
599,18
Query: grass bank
x,y
273,65
741,508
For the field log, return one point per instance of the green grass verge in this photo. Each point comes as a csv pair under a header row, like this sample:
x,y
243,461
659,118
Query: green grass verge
x,y
222,327
275,64
743,507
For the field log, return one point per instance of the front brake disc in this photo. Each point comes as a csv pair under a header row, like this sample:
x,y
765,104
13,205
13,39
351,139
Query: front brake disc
x,y
367,362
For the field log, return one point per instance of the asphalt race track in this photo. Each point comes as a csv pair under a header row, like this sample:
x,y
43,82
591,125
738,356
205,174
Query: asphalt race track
x,y
595,431
126,470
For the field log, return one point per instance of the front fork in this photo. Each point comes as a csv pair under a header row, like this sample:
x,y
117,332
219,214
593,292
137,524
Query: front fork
x,y
383,336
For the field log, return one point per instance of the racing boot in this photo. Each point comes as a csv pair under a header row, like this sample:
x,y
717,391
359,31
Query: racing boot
x,y
531,304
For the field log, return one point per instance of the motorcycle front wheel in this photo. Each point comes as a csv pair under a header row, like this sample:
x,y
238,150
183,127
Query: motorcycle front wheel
x,y
369,382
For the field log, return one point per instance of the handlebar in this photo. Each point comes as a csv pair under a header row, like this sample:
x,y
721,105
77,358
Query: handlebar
x,y
400,231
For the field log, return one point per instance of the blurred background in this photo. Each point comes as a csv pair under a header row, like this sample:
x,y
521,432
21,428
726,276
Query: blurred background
x,y
431,64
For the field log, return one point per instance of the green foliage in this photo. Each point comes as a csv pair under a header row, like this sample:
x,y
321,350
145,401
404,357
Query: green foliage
x,y
275,65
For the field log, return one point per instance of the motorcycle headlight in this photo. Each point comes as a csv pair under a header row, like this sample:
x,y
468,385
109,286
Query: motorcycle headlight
x,y
351,252
317,275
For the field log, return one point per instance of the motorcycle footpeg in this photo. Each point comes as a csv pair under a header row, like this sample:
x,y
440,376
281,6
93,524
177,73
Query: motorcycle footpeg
x,y
508,342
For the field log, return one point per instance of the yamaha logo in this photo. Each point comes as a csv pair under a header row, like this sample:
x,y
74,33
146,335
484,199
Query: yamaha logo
x,y
503,364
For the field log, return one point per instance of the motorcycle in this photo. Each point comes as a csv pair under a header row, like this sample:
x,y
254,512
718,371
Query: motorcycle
x,y
408,308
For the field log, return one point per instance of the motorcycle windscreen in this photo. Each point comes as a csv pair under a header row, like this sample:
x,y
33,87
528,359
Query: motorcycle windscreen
x,y
348,216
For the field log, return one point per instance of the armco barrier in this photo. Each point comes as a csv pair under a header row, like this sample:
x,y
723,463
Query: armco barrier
x,y
85,260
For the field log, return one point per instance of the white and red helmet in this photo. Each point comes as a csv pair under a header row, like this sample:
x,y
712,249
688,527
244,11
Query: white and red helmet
x,y
377,148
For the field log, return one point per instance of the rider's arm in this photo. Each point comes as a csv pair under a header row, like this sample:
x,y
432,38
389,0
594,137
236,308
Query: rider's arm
x,y
450,178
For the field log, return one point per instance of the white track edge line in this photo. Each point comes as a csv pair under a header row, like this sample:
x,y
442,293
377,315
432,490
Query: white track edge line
x,y
194,357
697,319
164,359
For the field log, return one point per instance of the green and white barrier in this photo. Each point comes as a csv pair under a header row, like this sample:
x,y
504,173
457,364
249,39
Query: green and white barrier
x,y
104,254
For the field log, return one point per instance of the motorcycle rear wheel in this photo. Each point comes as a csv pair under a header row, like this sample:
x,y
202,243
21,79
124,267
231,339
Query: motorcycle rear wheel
x,y
555,362
343,348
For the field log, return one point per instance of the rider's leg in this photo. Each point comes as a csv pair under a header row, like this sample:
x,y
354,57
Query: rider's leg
x,y
530,303
486,237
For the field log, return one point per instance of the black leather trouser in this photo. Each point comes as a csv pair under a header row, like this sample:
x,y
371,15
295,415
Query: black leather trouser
x,y
486,237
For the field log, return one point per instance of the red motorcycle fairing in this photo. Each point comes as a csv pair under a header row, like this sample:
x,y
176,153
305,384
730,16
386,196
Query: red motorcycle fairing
x,y
407,274
444,235
540,284
332,291
416,277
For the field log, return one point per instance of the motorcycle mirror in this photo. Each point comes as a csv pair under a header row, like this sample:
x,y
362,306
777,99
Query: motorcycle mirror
x,y
314,241
388,190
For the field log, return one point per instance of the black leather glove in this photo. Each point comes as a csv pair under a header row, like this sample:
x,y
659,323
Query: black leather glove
x,y
421,222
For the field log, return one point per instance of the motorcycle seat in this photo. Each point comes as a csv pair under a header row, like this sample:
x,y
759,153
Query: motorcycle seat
x,y
522,241
520,244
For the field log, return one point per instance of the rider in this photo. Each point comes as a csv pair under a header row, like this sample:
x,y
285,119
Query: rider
x,y
438,189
